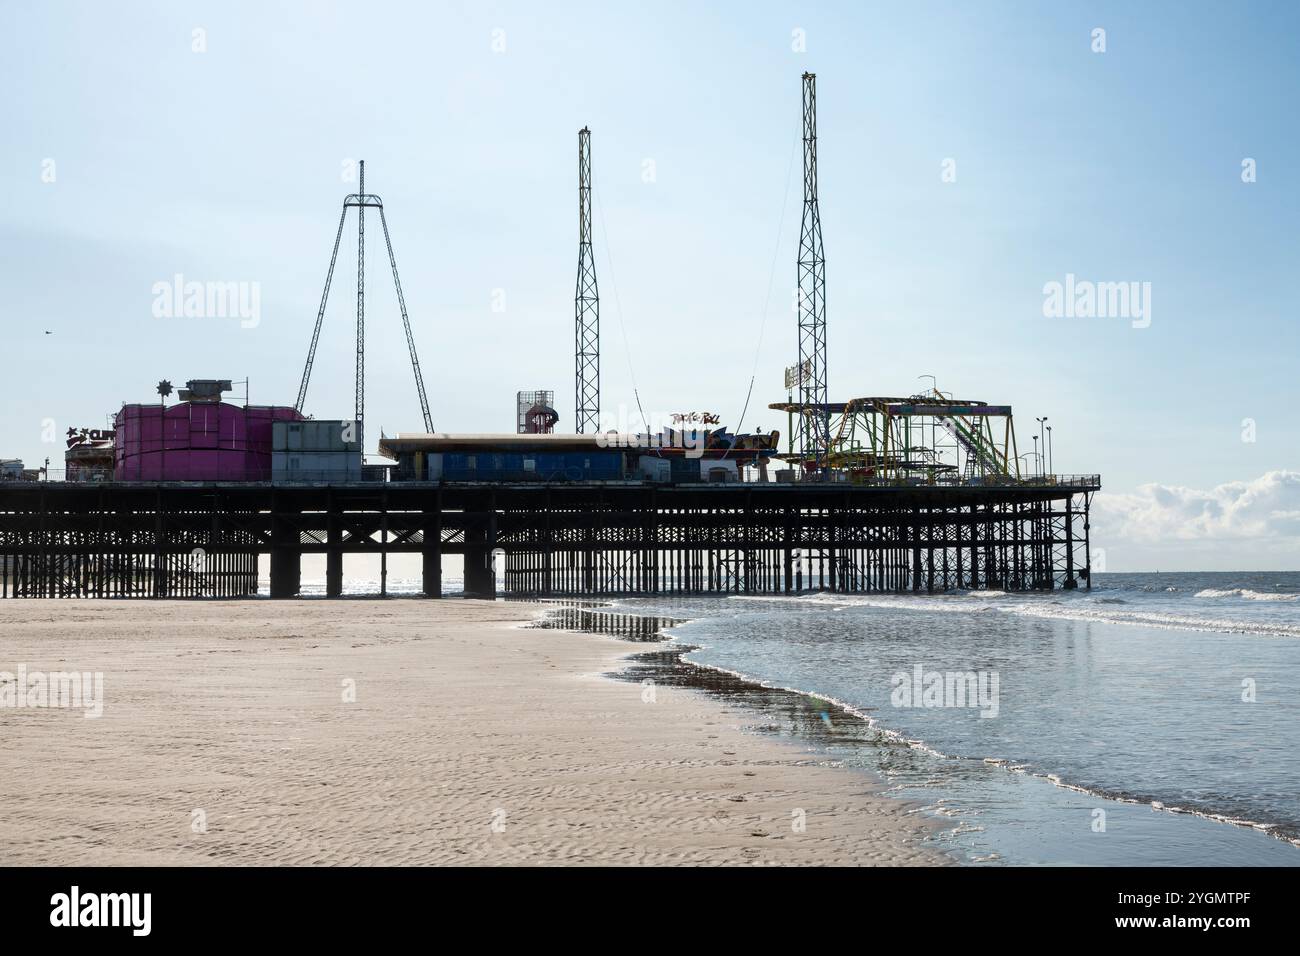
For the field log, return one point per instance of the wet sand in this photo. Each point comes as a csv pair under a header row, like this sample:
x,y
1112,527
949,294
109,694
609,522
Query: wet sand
x,y
400,732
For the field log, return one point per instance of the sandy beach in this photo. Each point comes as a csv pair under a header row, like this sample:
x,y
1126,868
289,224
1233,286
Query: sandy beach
x,y
400,732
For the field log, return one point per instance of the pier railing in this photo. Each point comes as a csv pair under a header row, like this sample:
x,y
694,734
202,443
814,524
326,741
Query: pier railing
x,y
1075,482
376,474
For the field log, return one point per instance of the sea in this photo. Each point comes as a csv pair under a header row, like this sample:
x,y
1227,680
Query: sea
x,y
1150,721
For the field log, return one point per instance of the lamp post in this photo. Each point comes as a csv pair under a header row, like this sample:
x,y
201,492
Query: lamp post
x,y
1041,422
1037,460
1049,450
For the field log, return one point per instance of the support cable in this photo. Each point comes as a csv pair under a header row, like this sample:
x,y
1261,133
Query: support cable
x,y
618,307
320,315
406,324
771,279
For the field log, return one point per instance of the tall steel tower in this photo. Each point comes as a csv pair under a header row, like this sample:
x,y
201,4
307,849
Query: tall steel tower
x,y
586,304
814,423
361,299
361,200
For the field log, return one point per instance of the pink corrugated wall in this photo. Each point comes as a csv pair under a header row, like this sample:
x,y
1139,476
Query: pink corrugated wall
x,y
203,442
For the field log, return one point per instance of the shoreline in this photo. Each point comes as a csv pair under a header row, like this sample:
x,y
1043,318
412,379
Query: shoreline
x,y
766,696
800,717
470,739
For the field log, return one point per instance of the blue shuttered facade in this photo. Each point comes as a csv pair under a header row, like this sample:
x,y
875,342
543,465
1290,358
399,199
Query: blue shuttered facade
x,y
533,466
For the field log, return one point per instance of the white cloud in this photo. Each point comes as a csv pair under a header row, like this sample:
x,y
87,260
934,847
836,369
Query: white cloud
x,y
1265,509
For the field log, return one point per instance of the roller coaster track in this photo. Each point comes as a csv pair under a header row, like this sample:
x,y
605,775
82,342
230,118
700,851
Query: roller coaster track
x,y
976,449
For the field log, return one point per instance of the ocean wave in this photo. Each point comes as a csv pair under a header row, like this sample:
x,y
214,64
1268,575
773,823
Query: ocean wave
x,y
1076,607
1158,619
1246,593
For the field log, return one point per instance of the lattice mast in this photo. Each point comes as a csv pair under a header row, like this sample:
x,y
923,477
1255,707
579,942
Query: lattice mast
x,y
360,415
814,423
586,304
361,200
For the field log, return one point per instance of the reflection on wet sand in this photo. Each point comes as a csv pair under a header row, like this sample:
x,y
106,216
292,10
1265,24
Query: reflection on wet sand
x,y
589,618
784,713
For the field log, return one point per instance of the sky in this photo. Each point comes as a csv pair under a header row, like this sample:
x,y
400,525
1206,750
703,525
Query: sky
x,y
970,154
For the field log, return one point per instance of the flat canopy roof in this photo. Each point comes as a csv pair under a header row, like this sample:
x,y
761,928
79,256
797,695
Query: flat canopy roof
x,y
442,441
408,443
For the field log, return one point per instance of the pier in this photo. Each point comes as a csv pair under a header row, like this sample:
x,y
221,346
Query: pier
x,y
181,539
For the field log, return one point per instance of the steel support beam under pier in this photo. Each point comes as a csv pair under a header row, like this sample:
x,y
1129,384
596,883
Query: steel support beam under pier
x,y
181,540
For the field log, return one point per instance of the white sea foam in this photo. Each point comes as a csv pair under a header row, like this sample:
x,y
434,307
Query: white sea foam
x,y
1101,608
1247,594
1164,620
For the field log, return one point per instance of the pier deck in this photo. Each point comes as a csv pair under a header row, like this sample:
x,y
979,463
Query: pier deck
x,y
179,539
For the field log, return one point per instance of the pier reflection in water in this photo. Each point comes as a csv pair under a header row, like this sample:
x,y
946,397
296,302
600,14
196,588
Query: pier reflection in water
x,y
590,618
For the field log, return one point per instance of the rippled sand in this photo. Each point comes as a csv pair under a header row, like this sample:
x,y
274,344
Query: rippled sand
x,y
470,740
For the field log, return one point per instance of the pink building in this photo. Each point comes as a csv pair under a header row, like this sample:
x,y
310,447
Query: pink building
x,y
198,439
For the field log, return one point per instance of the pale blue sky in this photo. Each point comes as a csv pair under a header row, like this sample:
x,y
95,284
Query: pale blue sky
x,y
225,165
